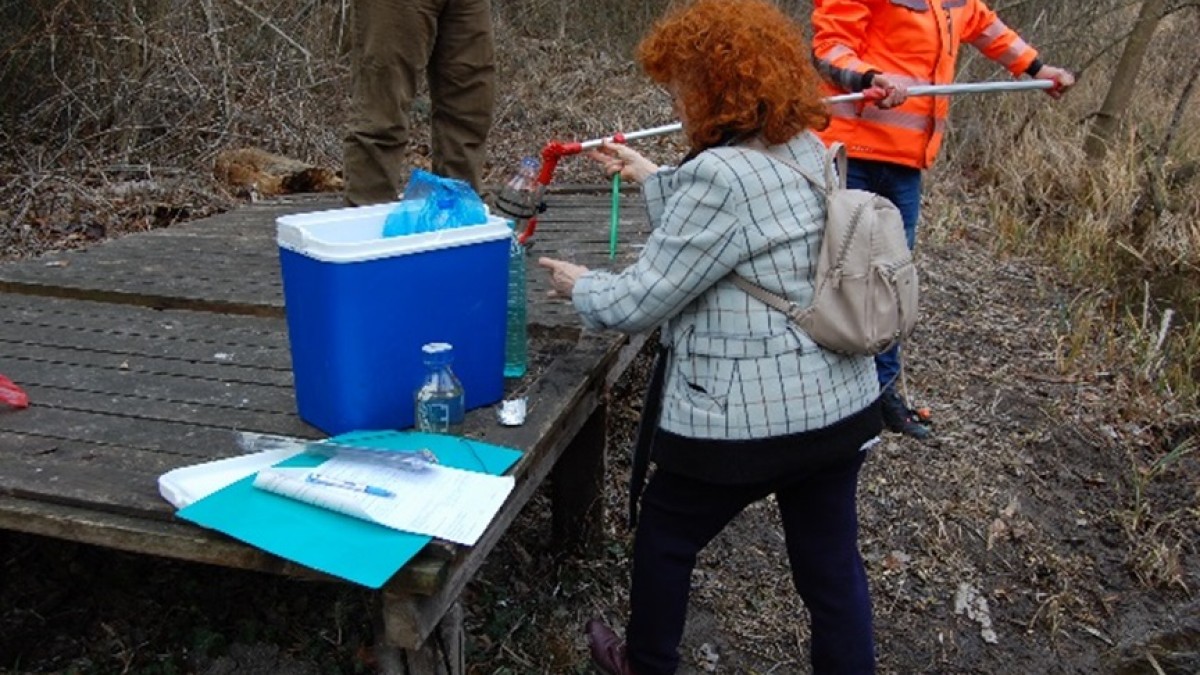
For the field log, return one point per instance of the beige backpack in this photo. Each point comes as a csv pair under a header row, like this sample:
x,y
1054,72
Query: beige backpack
x,y
865,293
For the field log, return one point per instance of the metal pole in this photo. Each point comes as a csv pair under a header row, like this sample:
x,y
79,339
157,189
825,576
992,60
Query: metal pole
x,y
634,135
951,89
919,90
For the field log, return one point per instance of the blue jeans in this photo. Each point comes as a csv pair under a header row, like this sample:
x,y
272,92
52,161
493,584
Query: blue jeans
x,y
901,185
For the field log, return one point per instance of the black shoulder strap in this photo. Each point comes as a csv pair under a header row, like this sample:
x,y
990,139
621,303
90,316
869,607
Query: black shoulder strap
x,y
647,426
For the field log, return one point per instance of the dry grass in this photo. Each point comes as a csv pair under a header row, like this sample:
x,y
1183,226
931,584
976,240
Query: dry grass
x,y
1125,234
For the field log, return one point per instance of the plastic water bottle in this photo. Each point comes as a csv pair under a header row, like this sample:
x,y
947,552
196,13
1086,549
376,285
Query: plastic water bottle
x,y
439,401
516,338
520,196
519,200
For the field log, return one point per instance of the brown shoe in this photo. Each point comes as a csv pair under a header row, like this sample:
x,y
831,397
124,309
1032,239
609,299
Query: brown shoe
x,y
608,651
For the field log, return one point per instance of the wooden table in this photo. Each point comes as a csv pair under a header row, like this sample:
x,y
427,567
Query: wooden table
x,y
155,351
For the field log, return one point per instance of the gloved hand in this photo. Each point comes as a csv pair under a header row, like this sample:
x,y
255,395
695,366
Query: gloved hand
x,y
887,91
1061,77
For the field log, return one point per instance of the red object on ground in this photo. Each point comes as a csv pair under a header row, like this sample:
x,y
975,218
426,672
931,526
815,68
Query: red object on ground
x,y
12,394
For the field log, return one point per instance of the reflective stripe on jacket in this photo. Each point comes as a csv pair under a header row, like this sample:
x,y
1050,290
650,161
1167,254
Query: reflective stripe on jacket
x,y
916,39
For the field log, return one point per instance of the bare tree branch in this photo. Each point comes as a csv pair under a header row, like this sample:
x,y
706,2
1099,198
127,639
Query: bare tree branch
x,y
265,21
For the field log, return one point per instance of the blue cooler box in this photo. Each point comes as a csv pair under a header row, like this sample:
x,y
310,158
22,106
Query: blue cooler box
x,y
360,306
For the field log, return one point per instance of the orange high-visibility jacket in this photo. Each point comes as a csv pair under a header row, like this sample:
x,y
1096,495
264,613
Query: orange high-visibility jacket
x,y
918,40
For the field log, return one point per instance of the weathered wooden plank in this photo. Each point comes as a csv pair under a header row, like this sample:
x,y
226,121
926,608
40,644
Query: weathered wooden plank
x,y
175,539
165,265
208,403
232,363
28,448
162,252
180,364
176,437
100,316
106,460
94,484
131,363
229,262
184,541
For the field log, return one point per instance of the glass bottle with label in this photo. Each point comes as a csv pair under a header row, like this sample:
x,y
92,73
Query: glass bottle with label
x,y
439,401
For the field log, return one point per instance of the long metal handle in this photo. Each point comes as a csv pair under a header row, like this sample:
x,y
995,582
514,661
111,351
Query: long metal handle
x,y
919,90
951,89
634,135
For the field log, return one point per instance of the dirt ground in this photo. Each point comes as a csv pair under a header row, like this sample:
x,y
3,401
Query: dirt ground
x,y
1028,539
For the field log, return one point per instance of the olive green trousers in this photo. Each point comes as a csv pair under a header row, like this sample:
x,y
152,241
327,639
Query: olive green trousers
x,y
392,41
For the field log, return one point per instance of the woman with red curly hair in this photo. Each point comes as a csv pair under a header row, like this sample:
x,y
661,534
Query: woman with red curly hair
x,y
743,404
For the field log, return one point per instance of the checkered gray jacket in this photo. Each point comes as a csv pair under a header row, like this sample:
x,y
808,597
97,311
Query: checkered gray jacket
x,y
738,369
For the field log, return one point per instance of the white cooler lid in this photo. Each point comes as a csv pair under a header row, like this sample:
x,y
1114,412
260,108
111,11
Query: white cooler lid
x,y
355,234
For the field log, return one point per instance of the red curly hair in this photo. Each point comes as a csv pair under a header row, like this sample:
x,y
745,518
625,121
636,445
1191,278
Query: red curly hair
x,y
740,66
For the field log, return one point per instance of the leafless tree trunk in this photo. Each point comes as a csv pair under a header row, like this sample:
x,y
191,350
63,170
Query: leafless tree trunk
x,y
1159,180
1116,101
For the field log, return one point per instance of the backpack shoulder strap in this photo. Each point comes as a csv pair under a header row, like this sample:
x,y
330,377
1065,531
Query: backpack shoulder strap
x,y
791,309
822,186
836,153
836,156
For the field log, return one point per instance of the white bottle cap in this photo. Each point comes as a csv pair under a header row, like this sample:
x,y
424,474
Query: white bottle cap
x,y
437,347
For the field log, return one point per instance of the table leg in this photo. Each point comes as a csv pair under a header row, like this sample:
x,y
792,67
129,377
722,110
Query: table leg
x,y
443,653
577,484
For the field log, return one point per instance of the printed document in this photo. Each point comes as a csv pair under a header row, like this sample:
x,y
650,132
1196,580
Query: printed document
x,y
436,501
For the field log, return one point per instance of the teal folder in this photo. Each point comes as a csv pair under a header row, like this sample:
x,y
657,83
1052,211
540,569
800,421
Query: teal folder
x,y
340,545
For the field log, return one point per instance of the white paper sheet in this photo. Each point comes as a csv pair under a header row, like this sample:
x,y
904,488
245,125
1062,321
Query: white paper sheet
x,y
189,484
439,501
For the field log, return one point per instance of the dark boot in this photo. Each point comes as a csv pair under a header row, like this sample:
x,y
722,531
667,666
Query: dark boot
x,y
608,651
898,417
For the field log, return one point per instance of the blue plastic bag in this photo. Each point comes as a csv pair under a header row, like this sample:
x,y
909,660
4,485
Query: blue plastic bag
x,y
431,203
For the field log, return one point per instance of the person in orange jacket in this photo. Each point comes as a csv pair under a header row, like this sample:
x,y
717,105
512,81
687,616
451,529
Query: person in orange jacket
x,y
889,46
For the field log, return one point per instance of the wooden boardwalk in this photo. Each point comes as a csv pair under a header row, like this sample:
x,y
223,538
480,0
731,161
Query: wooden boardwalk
x,y
154,351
